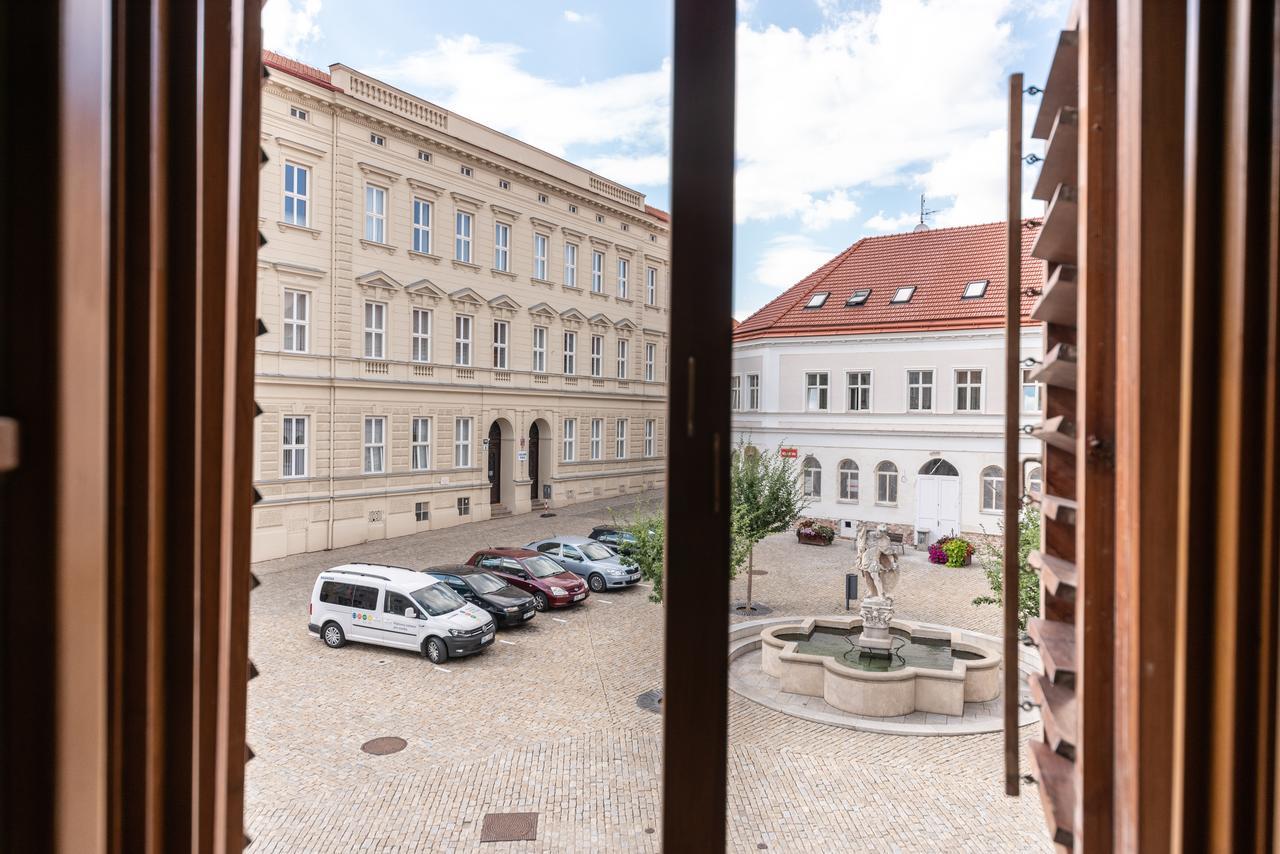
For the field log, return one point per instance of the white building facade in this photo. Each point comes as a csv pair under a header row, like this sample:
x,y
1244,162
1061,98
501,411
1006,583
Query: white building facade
x,y
892,401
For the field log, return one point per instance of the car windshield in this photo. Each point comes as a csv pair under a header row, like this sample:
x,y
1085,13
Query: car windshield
x,y
483,582
542,567
438,599
595,551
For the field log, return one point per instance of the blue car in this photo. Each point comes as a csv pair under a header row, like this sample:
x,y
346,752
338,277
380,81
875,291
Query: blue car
x,y
594,561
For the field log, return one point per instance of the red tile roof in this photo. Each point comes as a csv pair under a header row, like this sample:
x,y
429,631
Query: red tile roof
x,y
939,262
657,213
271,59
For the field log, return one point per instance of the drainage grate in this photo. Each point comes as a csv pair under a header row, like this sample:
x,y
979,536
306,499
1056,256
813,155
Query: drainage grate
x,y
650,700
383,745
757,609
509,827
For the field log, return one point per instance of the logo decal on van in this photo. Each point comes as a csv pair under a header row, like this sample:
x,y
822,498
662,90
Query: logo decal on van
x,y
358,616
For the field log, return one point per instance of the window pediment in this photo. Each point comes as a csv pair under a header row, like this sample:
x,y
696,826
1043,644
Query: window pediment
x,y
600,319
466,201
504,301
425,287
466,295
543,310
543,224
573,314
423,187
376,279
625,323
295,147
372,170
499,210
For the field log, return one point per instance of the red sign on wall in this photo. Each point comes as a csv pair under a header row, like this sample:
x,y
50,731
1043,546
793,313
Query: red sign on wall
x,y
788,452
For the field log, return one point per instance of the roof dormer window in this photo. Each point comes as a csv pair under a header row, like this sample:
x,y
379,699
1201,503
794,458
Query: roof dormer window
x,y
858,298
818,300
903,294
975,290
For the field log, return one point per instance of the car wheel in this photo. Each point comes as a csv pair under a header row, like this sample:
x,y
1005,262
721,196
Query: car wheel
x,y
332,635
540,601
596,582
437,652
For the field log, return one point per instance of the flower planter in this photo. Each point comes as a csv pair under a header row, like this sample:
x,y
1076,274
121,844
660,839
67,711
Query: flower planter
x,y
812,539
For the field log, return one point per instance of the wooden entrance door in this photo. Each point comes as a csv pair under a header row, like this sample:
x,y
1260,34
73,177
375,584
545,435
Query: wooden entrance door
x,y
495,464
534,486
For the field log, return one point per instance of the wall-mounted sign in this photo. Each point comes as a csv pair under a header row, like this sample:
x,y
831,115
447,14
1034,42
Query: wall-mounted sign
x,y
789,453
522,455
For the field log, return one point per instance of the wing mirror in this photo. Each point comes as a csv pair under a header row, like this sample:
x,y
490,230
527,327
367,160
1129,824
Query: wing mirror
x,y
410,613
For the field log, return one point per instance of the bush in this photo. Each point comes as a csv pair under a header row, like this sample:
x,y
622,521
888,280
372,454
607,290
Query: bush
x,y
647,552
992,560
952,551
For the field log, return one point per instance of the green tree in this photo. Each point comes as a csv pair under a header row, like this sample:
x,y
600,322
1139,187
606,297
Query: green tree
x,y
766,497
648,552
991,557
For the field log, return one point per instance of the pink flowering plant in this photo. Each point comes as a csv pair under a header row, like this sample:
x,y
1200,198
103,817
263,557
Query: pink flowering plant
x,y
951,551
810,529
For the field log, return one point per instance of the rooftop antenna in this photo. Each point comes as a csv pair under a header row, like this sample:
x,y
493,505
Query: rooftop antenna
x,y
923,226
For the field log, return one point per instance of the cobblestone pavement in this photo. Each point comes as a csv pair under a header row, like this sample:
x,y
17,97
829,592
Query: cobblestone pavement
x,y
549,723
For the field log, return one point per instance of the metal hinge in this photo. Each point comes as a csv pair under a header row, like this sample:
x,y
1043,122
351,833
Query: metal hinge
x,y
8,444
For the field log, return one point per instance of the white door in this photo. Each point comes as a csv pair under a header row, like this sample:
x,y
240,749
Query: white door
x,y
937,505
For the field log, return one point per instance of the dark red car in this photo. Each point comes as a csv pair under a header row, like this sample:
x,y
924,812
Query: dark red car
x,y
551,585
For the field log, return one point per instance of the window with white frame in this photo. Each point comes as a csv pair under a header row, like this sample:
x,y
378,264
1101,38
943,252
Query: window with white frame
x,y
375,330
421,347
539,349
462,326
815,391
540,257
753,392
597,272
570,353
293,446
422,511
624,349
571,265
597,438
650,357
651,286
375,445
993,489
848,480
375,213
620,439
298,113
1035,481
466,171
297,321
462,443
887,484
424,156
859,391
650,428
464,501
920,391
501,330
735,392
378,139
570,451
812,477
422,226
462,222
296,193
597,355
1031,392
502,247
624,267
420,444
968,391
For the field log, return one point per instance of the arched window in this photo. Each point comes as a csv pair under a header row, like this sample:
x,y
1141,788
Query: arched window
x,y
750,451
848,480
887,483
940,468
993,489
812,477
1035,480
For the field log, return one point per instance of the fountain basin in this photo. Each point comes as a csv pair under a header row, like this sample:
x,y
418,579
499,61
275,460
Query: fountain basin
x,y
932,670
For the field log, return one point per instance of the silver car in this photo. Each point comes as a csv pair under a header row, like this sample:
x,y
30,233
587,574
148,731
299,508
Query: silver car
x,y
585,557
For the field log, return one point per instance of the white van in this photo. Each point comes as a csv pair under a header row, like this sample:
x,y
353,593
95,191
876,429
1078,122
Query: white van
x,y
392,606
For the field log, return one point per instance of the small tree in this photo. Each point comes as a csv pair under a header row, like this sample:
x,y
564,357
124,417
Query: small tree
x,y
991,557
648,552
766,497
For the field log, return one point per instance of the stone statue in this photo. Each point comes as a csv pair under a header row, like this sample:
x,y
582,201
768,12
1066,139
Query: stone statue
x,y
879,568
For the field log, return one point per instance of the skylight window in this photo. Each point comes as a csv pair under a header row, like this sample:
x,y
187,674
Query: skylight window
x,y
858,298
818,299
903,294
975,290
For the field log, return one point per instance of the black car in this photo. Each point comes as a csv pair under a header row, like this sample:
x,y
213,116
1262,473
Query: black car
x,y
509,605
615,538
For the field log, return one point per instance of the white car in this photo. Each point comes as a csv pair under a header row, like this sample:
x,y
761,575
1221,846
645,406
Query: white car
x,y
392,606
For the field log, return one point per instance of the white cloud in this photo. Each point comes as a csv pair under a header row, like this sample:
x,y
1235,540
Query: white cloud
x,y
835,207
789,258
576,17
289,24
868,96
885,223
639,171
629,113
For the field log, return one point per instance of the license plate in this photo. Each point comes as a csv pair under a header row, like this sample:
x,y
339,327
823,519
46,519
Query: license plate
x,y
580,596
528,616
487,638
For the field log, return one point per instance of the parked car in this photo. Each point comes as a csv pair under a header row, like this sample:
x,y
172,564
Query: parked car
x,y
397,607
583,556
615,538
550,584
509,605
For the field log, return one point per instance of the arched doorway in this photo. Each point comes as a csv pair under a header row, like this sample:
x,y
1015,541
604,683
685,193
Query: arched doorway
x,y
535,482
495,463
938,499
540,457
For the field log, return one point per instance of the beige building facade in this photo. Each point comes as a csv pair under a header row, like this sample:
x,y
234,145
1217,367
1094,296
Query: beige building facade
x,y
458,325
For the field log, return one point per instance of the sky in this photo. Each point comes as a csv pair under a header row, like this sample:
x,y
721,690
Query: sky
x,y
846,111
